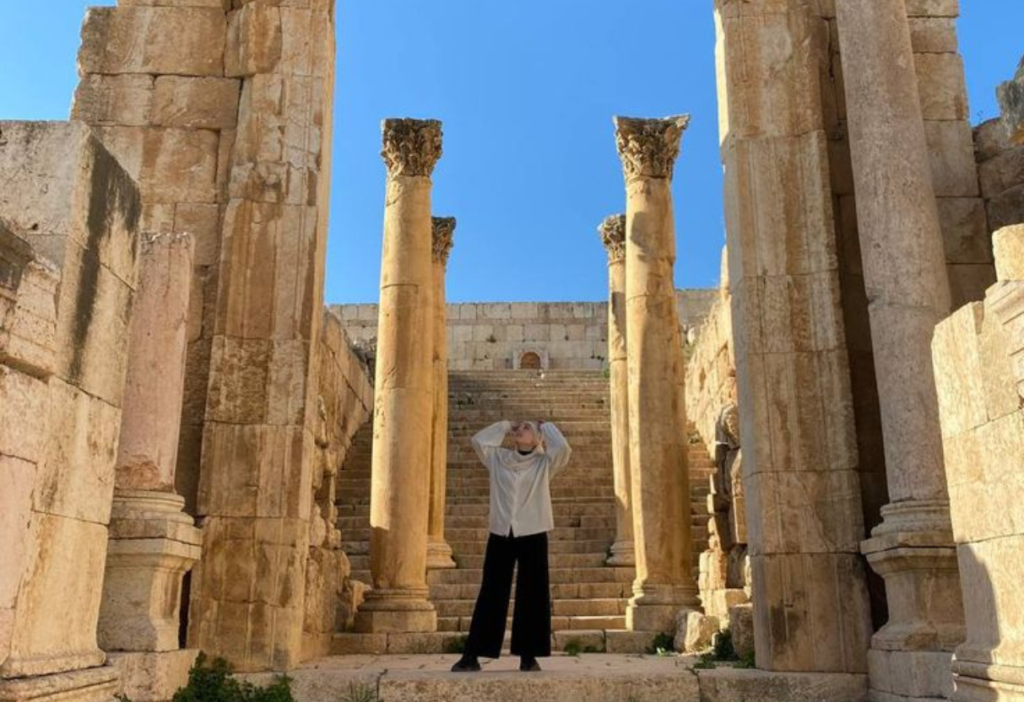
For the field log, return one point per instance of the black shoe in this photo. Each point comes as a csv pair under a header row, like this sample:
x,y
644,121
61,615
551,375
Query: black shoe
x,y
529,664
466,665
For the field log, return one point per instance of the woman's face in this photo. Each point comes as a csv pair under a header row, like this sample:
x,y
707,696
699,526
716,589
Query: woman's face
x,y
525,437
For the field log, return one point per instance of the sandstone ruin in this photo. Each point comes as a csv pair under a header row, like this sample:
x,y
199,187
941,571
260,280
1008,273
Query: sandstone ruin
x,y
821,457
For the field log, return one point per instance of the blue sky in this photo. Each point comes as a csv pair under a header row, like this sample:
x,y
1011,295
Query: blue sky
x,y
526,90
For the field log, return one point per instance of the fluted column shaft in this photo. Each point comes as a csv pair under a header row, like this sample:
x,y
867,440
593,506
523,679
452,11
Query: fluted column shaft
x,y
613,235
658,456
404,401
908,294
439,553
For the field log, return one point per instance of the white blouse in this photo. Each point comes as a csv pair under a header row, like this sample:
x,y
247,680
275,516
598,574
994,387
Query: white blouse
x,y
520,497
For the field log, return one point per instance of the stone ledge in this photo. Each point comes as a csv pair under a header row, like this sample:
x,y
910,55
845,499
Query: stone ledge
x,y
745,685
153,677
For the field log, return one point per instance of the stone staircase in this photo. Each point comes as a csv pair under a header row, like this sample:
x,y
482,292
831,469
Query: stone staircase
x,y
589,597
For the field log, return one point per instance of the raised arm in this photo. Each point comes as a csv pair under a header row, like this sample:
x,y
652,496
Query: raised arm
x,y
487,441
556,447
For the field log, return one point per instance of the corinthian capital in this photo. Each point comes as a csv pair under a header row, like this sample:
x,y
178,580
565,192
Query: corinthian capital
x,y
411,146
613,236
648,147
443,238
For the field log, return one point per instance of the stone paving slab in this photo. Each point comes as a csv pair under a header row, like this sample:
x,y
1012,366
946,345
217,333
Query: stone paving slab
x,y
426,678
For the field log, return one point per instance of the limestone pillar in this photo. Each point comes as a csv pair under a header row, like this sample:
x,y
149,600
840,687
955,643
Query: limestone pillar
x,y
400,491
800,479
153,543
657,447
439,553
613,235
908,293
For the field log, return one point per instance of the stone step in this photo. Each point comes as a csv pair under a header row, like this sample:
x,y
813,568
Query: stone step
x,y
599,574
347,523
595,607
561,546
580,623
560,591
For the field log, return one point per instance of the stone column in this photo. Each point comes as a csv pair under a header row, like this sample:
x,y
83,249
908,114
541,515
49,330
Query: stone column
x,y
439,553
400,491
657,447
908,293
613,235
153,543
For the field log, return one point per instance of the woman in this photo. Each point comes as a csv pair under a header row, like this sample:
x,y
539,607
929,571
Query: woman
x,y
519,524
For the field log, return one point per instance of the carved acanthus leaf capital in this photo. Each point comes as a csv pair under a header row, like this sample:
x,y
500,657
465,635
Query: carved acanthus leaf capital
x,y
613,236
411,146
443,238
649,147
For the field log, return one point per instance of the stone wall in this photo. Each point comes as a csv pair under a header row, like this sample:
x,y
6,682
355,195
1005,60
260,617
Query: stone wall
x,y
711,370
1001,173
485,336
979,367
69,235
344,404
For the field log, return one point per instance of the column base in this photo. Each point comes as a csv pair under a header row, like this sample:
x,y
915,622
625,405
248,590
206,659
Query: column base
x,y
439,555
913,551
622,553
396,611
909,675
152,545
655,607
153,677
90,685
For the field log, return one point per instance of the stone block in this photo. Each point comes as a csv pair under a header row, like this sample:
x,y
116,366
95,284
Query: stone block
x,y
24,396
185,41
114,100
579,639
933,8
799,621
730,685
964,230
152,677
786,225
913,674
97,684
1002,172
694,631
969,281
940,80
957,368
256,471
623,641
1011,102
64,564
933,35
1006,208
741,626
170,165
1008,248
770,56
990,140
805,511
951,154
266,280
254,40
77,478
195,103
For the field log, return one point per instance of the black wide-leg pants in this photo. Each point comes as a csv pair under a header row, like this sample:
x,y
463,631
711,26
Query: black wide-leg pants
x,y
531,620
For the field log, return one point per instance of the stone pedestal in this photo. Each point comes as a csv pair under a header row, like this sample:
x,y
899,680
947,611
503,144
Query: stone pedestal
x,y
908,292
613,235
439,553
658,448
979,369
404,401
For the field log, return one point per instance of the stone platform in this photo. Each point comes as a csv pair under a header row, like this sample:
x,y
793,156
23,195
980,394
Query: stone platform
x,y
585,678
